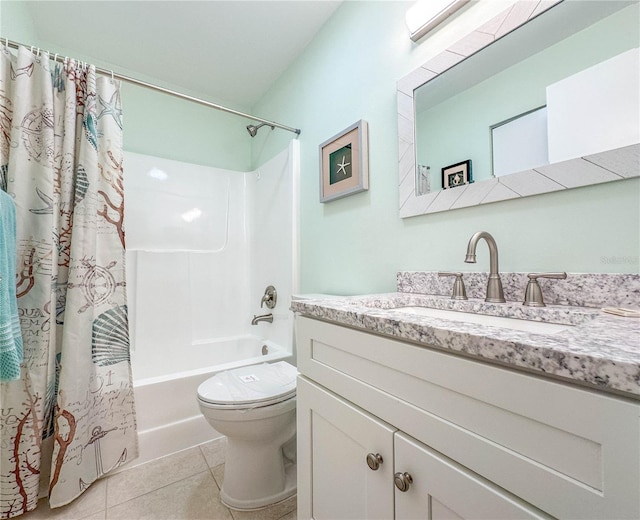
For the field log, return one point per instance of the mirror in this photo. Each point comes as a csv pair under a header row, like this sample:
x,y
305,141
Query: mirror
x,y
543,97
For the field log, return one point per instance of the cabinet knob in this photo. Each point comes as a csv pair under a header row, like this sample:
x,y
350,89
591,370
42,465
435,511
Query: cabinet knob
x,y
374,460
402,481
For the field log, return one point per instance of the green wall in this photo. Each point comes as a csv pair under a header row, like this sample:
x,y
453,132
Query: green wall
x,y
15,22
357,244
155,123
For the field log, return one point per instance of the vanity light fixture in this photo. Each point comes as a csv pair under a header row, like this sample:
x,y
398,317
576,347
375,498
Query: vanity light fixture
x,y
424,15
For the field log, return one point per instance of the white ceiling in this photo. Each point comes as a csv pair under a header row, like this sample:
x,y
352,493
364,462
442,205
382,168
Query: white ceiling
x,y
229,51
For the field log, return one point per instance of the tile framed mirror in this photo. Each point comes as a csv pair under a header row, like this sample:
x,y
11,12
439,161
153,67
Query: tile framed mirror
x,y
543,97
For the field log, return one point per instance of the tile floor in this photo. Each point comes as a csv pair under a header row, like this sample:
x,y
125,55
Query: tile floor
x,y
182,486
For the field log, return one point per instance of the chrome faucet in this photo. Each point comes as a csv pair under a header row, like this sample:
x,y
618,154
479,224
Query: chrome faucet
x,y
263,317
494,285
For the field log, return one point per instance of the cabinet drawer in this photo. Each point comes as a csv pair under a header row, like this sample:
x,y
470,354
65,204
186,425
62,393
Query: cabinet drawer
x,y
570,452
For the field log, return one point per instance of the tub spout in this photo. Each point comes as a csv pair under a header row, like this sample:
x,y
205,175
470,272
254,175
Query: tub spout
x,y
263,317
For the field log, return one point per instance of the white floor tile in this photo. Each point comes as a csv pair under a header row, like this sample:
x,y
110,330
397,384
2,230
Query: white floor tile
x,y
182,486
193,498
148,477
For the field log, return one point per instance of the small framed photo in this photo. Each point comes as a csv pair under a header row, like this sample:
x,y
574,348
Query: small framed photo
x,y
457,174
344,163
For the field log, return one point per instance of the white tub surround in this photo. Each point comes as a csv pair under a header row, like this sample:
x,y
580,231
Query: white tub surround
x,y
595,349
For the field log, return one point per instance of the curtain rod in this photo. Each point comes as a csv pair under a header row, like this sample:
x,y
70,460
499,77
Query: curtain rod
x,y
151,86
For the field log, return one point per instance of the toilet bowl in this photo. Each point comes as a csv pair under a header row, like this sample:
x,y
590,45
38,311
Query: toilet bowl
x,y
255,407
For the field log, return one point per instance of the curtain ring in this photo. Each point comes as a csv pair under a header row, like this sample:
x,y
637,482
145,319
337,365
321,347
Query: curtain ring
x,y
112,79
38,52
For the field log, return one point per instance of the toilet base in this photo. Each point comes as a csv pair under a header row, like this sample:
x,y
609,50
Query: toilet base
x,y
289,490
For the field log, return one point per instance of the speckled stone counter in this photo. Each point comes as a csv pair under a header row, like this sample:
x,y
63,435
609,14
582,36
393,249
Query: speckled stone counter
x,y
595,349
579,289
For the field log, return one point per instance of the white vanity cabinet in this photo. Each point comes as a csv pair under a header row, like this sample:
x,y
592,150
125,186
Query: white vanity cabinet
x,y
479,441
340,484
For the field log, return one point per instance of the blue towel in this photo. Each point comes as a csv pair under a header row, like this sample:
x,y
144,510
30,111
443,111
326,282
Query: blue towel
x,y
10,334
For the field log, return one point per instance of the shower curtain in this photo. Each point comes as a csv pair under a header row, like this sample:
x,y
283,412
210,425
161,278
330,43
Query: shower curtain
x,y
61,161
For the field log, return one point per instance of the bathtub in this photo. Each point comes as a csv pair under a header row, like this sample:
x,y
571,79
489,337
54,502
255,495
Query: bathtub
x,y
165,390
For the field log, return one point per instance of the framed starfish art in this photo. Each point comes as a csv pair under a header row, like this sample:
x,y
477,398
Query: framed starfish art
x,y
344,163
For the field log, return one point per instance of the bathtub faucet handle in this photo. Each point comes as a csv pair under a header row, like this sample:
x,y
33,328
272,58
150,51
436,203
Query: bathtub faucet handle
x,y
270,297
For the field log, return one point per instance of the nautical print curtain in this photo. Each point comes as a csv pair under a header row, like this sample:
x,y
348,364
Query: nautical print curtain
x,y
71,414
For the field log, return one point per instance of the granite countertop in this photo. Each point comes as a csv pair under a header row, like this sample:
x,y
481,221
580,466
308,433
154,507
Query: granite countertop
x,y
597,349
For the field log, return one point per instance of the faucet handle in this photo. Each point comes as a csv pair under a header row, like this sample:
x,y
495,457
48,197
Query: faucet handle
x,y
459,292
533,292
270,297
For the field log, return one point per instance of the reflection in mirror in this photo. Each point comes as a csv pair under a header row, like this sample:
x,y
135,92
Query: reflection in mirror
x,y
527,110
519,143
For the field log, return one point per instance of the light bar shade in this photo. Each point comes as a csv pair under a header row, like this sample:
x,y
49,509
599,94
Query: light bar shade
x,y
424,15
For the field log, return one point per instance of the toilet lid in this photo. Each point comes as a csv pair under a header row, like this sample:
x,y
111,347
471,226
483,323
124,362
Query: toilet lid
x,y
263,384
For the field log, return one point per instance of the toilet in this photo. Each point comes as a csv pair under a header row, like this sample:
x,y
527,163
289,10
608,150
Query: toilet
x,y
255,407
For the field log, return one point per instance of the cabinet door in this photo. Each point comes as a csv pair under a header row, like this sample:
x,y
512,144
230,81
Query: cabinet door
x,y
335,481
441,489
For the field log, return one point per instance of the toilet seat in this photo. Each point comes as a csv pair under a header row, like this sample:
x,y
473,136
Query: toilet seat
x,y
249,387
248,405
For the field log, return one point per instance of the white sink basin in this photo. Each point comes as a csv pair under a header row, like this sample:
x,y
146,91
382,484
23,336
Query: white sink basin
x,y
539,327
